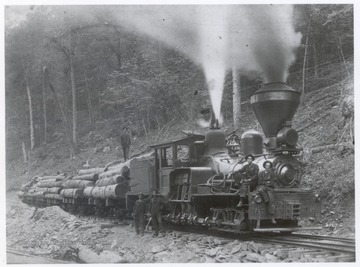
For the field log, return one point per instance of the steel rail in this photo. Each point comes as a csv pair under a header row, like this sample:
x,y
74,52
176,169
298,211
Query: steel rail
x,y
342,248
36,257
322,237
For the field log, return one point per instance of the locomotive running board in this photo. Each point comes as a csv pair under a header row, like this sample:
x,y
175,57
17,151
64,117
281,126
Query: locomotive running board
x,y
291,229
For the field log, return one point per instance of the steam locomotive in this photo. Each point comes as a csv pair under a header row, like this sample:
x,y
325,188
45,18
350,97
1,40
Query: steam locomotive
x,y
193,176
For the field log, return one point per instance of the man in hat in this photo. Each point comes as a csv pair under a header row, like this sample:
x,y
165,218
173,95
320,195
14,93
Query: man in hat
x,y
155,208
245,177
125,140
266,186
138,214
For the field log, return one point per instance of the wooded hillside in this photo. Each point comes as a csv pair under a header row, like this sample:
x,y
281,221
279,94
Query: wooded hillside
x,y
73,73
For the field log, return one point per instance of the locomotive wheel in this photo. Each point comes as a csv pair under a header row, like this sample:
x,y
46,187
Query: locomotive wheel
x,y
244,226
66,207
73,209
101,211
83,210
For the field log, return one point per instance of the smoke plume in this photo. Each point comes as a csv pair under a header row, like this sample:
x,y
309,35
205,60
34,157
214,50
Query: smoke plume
x,y
258,38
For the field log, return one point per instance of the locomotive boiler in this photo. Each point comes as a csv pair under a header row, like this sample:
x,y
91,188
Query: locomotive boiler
x,y
194,176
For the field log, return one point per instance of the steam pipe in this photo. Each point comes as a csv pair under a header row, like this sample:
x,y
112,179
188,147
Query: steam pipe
x,y
214,123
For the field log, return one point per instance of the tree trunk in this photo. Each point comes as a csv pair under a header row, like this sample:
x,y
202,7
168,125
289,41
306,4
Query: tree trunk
x,y
67,124
342,56
73,93
316,63
304,65
23,148
160,56
90,108
118,53
236,98
44,103
322,148
32,142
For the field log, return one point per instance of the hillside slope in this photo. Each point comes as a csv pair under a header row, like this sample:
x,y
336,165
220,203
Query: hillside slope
x,y
324,134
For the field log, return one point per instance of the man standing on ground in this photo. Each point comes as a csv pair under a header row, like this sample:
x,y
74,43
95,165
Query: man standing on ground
x,y
155,209
138,214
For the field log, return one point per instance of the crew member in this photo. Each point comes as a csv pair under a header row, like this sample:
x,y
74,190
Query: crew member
x,y
245,177
138,214
155,208
266,187
125,141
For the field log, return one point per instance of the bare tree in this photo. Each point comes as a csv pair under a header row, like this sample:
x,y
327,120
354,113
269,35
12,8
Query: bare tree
x,y
44,103
32,142
236,98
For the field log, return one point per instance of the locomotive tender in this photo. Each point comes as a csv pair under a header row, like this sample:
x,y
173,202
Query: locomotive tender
x,y
193,175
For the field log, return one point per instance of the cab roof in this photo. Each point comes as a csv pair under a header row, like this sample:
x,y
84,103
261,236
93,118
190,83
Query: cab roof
x,y
190,139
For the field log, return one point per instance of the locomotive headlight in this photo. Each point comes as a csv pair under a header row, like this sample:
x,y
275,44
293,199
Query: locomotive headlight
x,y
287,175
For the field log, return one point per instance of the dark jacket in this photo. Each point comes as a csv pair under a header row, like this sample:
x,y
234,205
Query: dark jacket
x,y
155,205
267,178
139,208
249,171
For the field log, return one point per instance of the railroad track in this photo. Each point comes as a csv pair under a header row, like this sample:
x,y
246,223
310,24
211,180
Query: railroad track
x,y
17,257
335,248
325,248
294,246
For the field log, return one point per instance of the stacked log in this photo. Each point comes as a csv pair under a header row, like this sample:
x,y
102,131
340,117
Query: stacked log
x,y
119,166
50,183
117,179
52,178
110,173
72,192
114,191
53,196
76,184
53,190
88,177
36,191
111,184
88,190
91,171
39,192
74,187
30,184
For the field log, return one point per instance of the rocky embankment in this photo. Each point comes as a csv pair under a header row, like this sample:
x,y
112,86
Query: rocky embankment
x,y
54,233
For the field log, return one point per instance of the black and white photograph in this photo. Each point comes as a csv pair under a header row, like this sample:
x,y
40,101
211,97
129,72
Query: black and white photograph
x,y
181,132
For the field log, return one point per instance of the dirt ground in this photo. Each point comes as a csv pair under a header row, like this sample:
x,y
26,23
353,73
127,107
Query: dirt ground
x,y
53,233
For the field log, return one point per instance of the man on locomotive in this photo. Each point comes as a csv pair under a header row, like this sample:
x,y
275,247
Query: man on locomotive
x,y
266,187
245,177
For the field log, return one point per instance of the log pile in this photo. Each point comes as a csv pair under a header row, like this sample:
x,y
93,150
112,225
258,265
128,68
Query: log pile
x,y
72,192
88,177
114,191
91,171
111,182
116,179
77,184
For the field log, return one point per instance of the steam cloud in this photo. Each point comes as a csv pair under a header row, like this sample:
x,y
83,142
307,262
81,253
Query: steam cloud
x,y
258,38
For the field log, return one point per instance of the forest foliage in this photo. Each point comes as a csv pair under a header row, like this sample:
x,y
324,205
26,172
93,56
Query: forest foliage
x,y
79,68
